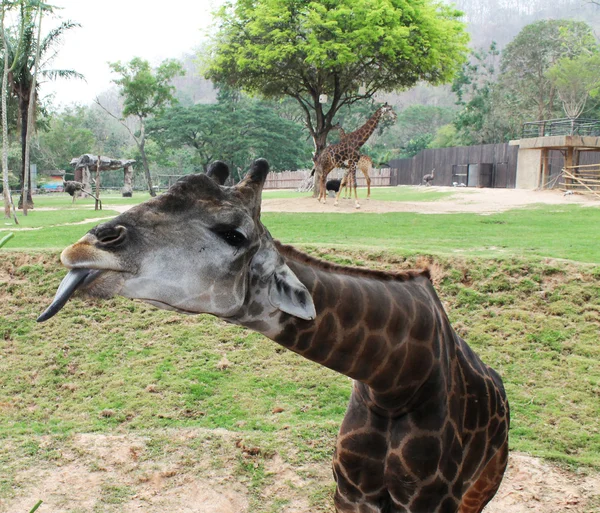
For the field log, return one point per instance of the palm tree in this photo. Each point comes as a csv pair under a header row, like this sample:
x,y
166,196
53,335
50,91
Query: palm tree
x,y
21,78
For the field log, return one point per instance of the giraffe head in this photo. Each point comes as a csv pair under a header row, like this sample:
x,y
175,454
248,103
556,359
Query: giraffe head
x,y
195,249
387,110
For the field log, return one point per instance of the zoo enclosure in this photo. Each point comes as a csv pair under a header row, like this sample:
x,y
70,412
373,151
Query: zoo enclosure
x,y
484,165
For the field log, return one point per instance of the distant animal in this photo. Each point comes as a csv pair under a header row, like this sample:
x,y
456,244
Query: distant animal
x,y
365,164
71,187
333,186
428,178
346,152
568,193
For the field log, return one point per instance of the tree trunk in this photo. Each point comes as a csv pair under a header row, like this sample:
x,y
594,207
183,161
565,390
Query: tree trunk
x,y
141,146
30,109
5,187
320,142
23,110
127,190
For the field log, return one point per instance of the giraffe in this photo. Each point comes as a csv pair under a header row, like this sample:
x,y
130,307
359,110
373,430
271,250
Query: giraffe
x,y
426,429
345,153
364,164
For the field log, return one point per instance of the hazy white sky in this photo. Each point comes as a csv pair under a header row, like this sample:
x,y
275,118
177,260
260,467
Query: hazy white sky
x,y
114,30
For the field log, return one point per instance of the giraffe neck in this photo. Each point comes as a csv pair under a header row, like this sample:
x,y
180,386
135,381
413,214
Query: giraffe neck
x,y
380,331
360,136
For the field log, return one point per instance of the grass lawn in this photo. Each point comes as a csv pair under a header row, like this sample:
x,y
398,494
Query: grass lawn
x,y
64,201
567,232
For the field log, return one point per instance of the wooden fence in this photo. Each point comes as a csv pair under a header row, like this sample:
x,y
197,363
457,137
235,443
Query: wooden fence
x,y
293,179
454,164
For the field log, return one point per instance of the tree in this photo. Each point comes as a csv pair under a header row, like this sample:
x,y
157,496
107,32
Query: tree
x,y
31,104
21,78
528,57
445,137
346,49
237,130
6,69
482,117
575,80
146,93
67,137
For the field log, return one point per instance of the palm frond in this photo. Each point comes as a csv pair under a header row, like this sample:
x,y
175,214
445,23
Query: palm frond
x,y
68,74
54,36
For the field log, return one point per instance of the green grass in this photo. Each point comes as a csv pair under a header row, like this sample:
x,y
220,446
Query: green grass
x,y
567,232
63,200
101,366
50,219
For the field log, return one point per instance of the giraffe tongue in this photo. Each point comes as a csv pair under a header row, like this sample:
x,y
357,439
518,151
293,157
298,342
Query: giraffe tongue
x,y
66,289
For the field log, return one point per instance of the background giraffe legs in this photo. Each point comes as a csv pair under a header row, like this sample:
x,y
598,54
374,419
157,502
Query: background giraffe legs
x,y
350,176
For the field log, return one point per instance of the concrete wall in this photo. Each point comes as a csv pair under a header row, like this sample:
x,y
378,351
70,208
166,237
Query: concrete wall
x,y
529,165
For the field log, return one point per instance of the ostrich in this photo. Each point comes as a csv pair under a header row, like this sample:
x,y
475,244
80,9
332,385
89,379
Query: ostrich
x,y
333,186
428,179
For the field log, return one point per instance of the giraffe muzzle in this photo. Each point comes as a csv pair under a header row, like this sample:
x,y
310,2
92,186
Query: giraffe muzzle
x,y
70,283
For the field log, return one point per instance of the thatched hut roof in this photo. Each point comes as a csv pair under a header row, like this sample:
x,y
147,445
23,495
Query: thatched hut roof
x,y
106,163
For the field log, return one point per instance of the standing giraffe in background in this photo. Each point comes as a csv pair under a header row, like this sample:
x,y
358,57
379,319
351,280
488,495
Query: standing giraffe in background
x,y
364,164
346,152
426,430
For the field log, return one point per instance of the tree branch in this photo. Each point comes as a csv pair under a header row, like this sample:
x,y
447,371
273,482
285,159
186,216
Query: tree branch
x,y
97,101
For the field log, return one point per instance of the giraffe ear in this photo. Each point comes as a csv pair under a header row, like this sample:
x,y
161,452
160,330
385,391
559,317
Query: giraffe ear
x,y
218,171
257,174
286,291
289,294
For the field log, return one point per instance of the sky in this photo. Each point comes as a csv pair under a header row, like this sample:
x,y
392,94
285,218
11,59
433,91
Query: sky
x,y
113,30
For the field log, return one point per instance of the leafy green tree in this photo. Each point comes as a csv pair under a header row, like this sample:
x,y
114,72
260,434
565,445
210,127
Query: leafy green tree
x,y
575,81
8,65
445,137
528,57
345,49
416,144
146,93
415,127
67,137
478,120
237,129
23,51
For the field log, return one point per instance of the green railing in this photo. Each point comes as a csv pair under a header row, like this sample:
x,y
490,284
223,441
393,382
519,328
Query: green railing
x,y
565,126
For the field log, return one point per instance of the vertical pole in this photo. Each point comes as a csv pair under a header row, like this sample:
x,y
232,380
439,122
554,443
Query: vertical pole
x,y
569,164
98,183
544,174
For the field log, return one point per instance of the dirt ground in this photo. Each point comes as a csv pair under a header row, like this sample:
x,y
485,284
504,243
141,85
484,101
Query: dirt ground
x,y
477,201
99,473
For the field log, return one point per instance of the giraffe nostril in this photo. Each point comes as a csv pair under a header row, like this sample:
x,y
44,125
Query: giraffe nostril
x,y
111,236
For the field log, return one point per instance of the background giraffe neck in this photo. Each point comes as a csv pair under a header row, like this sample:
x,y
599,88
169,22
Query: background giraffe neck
x,y
362,134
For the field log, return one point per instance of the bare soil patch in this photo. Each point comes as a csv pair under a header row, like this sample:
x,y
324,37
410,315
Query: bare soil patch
x,y
477,201
120,473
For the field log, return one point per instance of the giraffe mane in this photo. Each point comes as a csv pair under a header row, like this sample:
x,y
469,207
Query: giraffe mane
x,y
298,256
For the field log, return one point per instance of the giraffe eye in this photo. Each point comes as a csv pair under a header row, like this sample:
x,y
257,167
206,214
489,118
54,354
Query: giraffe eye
x,y
231,236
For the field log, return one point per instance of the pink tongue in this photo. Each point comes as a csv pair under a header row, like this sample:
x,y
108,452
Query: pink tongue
x,y
65,290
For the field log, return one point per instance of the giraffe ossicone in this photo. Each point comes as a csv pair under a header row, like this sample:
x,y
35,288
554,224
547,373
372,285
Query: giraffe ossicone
x,y
426,428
